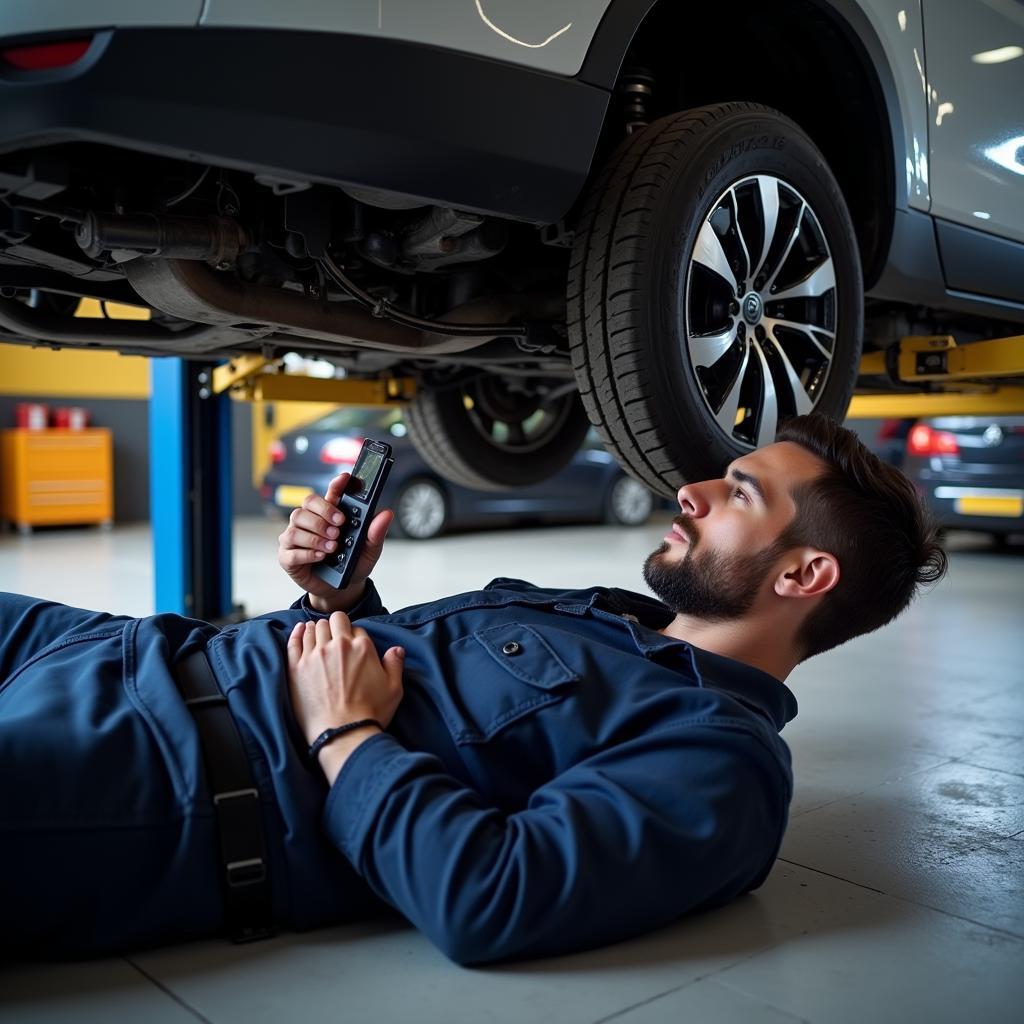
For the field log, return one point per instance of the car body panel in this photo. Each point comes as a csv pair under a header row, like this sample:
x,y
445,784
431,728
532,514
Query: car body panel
x,y
548,35
899,36
445,127
972,146
976,111
44,16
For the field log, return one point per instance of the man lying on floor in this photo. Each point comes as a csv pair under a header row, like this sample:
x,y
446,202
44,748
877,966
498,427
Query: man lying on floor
x,y
519,771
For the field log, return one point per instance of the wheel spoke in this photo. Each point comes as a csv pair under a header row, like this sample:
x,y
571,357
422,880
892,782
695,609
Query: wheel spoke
x,y
821,280
789,248
726,415
806,329
709,253
768,414
769,191
742,239
799,325
801,400
707,349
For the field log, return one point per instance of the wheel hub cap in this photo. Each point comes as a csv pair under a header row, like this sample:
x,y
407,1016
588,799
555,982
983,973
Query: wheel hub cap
x,y
753,308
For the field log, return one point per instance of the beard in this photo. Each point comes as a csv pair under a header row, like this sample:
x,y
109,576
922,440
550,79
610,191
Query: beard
x,y
708,585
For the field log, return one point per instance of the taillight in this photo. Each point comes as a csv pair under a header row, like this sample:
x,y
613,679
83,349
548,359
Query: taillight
x,y
46,56
925,440
341,450
277,451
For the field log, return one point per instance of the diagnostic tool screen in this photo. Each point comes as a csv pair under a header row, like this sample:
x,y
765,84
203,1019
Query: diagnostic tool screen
x,y
363,474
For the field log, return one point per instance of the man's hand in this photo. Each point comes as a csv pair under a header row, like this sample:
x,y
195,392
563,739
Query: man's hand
x,y
335,677
312,533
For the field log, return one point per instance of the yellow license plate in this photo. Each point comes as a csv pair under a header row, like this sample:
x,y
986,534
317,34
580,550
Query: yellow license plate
x,y
1010,508
290,495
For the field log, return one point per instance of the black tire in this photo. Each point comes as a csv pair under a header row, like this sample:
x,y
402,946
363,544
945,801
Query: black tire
x,y
421,509
490,434
645,305
629,502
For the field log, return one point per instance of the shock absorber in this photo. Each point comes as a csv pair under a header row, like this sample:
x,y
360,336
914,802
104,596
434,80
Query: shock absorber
x,y
636,86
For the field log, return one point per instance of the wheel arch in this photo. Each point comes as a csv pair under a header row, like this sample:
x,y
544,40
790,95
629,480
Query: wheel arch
x,y
424,473
854,117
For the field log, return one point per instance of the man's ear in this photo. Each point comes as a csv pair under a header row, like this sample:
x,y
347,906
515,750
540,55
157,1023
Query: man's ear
x,y
808,572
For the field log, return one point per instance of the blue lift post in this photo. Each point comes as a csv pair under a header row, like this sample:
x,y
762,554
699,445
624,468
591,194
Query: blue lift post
x,y
190,491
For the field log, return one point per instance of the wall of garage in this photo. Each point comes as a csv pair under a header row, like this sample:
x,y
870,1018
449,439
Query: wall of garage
x,y
115,389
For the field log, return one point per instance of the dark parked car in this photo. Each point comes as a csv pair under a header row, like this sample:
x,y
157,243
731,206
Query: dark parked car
x,y
591,487
970,470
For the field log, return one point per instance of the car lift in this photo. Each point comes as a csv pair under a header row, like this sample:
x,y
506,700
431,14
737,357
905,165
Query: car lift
x,y
190,437
933,376
190,488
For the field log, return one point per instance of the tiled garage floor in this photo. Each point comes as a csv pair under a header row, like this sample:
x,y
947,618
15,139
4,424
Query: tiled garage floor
x,y
899,895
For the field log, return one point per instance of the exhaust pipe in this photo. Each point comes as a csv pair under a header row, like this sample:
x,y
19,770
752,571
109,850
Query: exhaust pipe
x,y
215,240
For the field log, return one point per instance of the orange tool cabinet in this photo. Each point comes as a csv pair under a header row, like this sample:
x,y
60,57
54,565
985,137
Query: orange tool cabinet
x,y
56,477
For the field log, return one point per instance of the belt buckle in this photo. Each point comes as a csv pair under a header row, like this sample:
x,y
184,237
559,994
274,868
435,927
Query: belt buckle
x,y
252,870
246,872
236,794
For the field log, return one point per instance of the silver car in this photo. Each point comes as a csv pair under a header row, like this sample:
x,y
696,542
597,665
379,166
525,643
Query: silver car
x,y
678,221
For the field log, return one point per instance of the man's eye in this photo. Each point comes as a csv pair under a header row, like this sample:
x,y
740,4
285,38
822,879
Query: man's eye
x,y
738,492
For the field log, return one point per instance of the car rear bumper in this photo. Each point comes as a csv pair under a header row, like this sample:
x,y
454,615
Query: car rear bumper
x,y
967,501
446,127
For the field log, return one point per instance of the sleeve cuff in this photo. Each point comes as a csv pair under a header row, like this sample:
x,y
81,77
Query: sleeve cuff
x,y
369,604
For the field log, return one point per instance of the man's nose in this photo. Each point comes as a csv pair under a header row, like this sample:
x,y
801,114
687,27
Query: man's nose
x,y
693,501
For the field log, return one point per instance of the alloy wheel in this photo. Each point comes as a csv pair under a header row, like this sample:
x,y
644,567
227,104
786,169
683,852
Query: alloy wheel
x,y
760,308
631,503
421,510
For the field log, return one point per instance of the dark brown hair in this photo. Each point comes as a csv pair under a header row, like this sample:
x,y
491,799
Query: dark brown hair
x,y
868,515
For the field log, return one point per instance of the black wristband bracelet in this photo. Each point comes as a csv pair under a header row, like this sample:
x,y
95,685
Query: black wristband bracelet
x,y
339,730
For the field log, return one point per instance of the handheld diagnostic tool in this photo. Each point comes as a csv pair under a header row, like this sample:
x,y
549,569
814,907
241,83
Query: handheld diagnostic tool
x,y
358,503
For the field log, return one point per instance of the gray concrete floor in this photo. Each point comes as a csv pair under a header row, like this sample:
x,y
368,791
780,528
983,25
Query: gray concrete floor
x,y
897,896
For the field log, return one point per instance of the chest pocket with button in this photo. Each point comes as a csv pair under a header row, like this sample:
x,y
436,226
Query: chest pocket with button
x,y
503,673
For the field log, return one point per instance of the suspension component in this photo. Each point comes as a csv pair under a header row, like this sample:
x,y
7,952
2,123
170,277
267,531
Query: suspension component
x,y
637,88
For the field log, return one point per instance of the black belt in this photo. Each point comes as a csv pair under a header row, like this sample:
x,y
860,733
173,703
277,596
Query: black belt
x,y
236,802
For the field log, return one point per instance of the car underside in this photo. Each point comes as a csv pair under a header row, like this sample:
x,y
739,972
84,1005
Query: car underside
x,y
502,241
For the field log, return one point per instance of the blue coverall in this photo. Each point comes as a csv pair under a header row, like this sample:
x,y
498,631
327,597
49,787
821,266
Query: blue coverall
x,y
596,783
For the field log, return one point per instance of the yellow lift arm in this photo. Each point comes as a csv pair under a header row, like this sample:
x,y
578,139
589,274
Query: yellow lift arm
x,y
246,379
965,378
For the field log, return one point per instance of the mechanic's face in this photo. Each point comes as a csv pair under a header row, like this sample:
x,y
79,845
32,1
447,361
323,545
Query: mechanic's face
x,y
722,547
